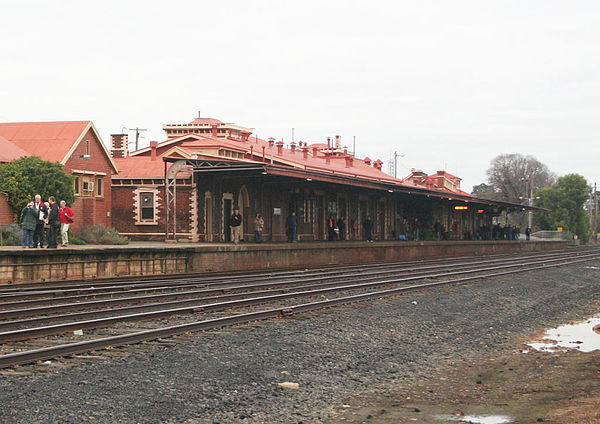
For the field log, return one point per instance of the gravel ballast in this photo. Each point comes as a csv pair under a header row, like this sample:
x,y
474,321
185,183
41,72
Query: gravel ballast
x,y
233,375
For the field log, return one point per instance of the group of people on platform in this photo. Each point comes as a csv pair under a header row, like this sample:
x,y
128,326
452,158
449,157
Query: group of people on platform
x,y
407,230
42,220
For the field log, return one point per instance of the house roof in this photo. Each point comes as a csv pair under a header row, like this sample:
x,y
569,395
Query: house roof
x,y
51,141
205,121
10,151
193,146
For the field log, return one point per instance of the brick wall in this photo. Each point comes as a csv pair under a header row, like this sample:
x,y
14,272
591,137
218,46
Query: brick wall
x,y
90,210
124,210
6,215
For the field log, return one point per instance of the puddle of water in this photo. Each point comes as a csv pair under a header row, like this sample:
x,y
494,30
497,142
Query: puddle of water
x,y
477,419
580,336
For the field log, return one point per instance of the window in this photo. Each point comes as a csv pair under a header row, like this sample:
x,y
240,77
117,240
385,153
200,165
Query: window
x,y
99,188
147,206
87,147
76,185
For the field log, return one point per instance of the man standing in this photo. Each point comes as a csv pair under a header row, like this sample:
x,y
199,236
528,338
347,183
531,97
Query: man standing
x,y
368,225
54,222
66,219
42,214
235,222
437,227
292,227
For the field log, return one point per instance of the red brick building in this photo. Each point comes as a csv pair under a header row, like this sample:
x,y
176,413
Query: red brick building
x,y
77,146
224,166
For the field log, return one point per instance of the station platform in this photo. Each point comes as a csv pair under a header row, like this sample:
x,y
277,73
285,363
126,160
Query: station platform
x,y
152,259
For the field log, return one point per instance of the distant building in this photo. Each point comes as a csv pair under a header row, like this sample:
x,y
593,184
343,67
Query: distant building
x,y
77,146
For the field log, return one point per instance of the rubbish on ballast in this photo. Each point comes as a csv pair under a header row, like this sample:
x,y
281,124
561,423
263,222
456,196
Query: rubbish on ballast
x,y
78,333
285,372
414,302
289,385
346,406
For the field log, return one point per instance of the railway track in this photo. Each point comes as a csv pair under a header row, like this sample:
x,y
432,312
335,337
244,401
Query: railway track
x,y
37,321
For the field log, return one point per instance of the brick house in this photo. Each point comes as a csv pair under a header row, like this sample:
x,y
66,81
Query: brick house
x,y
77,146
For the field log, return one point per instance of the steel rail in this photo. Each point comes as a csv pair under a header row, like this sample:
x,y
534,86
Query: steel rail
x,y
23,334
97,313
30,356
125,290
46,308
6,292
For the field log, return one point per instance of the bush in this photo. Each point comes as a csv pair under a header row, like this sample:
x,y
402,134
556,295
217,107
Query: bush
x,y
11,235
76,240
99,234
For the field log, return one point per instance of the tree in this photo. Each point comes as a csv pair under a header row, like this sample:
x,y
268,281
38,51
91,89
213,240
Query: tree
x,y
484,191
514,176
21,179
566,201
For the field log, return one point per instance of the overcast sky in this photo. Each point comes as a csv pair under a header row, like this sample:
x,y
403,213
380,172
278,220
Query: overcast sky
x,y
448,84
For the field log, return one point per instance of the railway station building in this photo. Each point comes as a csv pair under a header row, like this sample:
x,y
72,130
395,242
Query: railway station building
x,y
186,187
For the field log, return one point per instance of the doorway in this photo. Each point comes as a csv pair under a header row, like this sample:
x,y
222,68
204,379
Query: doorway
x,y
227,203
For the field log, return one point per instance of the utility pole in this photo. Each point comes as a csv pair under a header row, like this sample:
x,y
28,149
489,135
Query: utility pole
x,y
530,218
595,214
137,135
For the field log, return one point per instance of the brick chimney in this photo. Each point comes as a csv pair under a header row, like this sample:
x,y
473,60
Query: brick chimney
x,y
345,150
367,161
293,147
245,136
378,164
214,130
119,145
153,145
440,178
349,161
279,145
338,141
314,151
305,152
327,158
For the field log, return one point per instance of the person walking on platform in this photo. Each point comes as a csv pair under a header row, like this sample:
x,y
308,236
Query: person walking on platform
x,y
368,224
259,225
42,214
528,233
291,226
341,228
437,227
416,229
28,222
235,223
66,219
331,228
54,223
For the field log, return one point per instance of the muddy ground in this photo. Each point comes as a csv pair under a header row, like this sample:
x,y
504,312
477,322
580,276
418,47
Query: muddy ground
x,y
531,387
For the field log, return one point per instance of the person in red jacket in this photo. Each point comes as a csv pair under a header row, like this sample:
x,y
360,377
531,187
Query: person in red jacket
x,y
66,219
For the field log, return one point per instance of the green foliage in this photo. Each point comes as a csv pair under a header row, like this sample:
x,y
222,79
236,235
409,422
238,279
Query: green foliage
x,y
22,179
484,191
99,234
11,235
76,240
566,201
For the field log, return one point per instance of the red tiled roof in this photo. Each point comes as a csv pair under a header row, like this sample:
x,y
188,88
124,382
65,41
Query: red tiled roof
x,y
140,167
50,141
205,121
192,144
9,151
